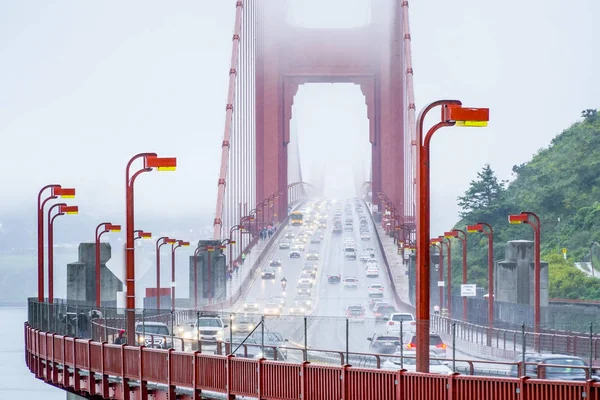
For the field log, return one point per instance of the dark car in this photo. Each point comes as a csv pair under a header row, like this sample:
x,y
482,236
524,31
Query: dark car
x,y
383,311
334,278
565,372
276,262
268,273
383,343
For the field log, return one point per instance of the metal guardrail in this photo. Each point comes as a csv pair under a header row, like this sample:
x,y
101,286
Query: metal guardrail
x,y
116,369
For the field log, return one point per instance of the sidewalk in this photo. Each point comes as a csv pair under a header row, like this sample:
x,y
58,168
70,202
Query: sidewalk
x,y
397,266
238,277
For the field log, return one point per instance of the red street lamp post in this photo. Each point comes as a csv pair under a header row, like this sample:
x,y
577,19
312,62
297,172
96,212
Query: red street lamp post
x,y
523,218
62,210
233,229
452,114
435,242
175,246
150,161
108,227
479,227
449,275
56,192
196,251
462,236
159,243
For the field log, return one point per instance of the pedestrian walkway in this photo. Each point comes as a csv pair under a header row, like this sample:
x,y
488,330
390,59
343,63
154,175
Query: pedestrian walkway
x,y
398,268
244,269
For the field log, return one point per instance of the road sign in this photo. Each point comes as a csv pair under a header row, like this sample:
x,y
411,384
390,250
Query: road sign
x,y
468,290
564,250
441,283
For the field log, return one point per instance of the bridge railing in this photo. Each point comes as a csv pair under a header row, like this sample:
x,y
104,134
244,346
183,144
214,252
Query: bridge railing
x,y
68,362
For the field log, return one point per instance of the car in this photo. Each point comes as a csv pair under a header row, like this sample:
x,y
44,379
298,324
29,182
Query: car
x,y
306,278
355,313
383,343
267,273
310,268
242,324
364,256
407,319
372,263
375,298
348,228
552,373
312,255
272,309
250,307
284,244
304,288
382,311
289,236
350,283
349,253
334,278
372,272
436,344
295,253
410,363
305,299
210,327
365,235
298,307
375,288
276,262
370,250
153,334
277,299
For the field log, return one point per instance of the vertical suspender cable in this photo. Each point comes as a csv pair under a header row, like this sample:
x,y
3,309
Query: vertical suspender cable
x,y
218,222
409,203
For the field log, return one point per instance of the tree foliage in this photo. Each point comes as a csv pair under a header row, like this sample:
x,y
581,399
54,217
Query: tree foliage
x,y
484,192
561,184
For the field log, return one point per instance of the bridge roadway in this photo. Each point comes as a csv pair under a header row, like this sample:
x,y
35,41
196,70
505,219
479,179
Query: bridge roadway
x,y
326,320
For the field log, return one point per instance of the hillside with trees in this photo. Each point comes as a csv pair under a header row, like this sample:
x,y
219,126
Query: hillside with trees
x,y
561,184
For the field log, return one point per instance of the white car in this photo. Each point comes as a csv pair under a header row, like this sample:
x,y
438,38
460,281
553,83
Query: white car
x,y
409,364
350,283
375,288
210,327
298,308
284,245
364,256
251,307
272,309
277,299
306,278
407,319
355,313
365,236
372,263
370,250
372,272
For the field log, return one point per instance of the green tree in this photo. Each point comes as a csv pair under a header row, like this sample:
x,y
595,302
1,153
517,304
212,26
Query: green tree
x,y
590,115
483,193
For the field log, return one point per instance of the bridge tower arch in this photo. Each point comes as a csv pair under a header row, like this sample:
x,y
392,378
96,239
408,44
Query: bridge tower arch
x,y
371,56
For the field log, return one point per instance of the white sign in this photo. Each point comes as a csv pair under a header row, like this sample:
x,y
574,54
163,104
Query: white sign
x,y
441,283
121,296
468,290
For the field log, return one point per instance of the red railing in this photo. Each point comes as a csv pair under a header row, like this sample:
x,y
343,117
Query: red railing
x,y
125,372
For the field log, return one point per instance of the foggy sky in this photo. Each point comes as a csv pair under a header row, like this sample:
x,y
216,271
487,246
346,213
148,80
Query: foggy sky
x,y
85,85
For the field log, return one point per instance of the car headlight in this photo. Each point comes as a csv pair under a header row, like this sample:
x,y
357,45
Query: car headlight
x,y
141,339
